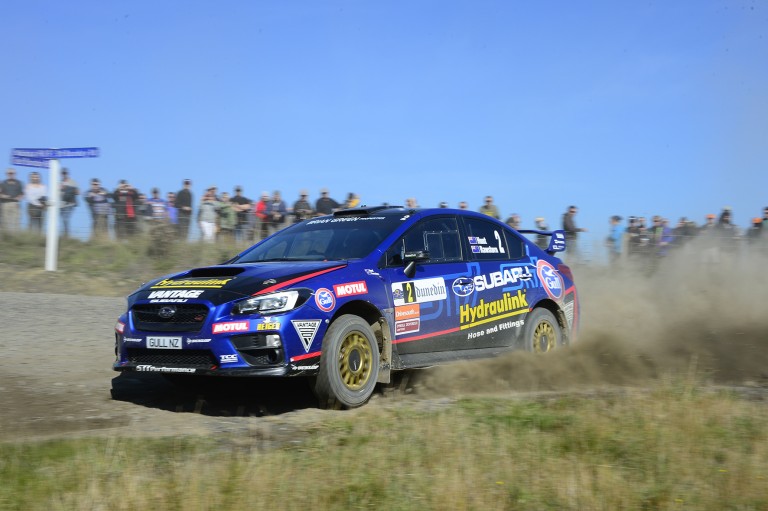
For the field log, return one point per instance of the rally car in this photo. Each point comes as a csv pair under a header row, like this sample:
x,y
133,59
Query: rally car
x,y
348,298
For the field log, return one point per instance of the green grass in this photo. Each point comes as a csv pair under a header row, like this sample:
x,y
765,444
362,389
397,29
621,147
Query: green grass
x,y
670,448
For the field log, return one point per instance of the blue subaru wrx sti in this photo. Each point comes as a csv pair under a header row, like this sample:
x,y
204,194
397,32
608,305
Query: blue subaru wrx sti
x,y
348,298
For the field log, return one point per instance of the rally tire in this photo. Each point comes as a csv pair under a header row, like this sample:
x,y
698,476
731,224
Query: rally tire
x,y
542,331
349,364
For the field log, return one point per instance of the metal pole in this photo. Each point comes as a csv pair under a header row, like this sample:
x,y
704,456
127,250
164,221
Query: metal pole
x,y
52,213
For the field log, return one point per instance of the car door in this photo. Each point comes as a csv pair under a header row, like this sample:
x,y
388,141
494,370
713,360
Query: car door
x,y
503,276
425,308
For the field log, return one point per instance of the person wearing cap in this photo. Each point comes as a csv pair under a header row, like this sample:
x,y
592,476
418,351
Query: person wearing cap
x,y
68,193
227,218
184,207
208,215
98,200
241,205
126,199
11,193
36,194
353,200
301,208
325,205
158,208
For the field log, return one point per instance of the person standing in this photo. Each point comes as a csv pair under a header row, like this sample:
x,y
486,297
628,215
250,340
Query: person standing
x,y
207,215
241,205
301,208
98,199
325,205
184,206
571,231
542,240
11,193
614,239
126,200
227,218
276,211
36,194
489,208
69,193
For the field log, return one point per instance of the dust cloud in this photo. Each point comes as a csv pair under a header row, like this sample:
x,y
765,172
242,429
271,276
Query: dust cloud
x,y
681,318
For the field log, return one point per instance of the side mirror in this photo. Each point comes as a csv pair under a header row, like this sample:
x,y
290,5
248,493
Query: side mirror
x,y
411,258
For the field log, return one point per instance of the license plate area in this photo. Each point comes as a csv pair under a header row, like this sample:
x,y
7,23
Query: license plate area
x,y
164,342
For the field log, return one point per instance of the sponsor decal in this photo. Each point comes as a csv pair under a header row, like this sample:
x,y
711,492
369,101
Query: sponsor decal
x,y
306,329
345,220
475,240
154,369
463,286
176,293
550,278
197,341
305,368
568,311
120,327
495,328
228,359
408,326
132,339
350,289
372,272
231,326
170,343
407,311
202,282
268,326
419,291
325,299
505,277
477,249
507,305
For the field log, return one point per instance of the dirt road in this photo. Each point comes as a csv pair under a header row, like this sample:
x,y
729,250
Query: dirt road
x,y
57,350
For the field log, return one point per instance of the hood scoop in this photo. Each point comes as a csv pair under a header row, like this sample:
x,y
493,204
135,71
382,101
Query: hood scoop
x,y
215,271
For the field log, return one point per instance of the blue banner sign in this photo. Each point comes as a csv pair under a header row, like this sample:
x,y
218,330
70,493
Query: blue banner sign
x,y
55,154
30,162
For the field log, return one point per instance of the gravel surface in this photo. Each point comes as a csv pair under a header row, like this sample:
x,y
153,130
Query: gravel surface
x,y
56,380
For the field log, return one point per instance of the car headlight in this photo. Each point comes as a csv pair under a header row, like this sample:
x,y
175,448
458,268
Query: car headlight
x,y
272,303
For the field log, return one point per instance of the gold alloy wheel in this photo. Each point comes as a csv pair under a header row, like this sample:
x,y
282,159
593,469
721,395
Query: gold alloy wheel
x,y
544,337
355,361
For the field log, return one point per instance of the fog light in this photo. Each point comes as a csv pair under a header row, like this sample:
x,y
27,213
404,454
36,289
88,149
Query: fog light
x,y
273,341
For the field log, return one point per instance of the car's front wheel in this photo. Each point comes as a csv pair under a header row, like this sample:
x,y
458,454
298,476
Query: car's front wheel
x,y
542,331
349,364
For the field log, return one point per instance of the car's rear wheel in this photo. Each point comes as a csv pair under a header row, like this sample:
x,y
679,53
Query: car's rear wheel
x,y
349,364
542,331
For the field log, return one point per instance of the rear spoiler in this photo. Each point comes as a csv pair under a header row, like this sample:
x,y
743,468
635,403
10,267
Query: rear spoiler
x,y
556,241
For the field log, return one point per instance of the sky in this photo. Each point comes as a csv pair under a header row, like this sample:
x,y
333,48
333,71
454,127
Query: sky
x,y
629,108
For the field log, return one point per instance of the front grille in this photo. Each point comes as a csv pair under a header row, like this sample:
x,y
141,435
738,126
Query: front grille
x,y
188,317
202,359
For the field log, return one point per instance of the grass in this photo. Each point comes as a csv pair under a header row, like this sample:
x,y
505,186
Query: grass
x,y
102,268
677,446
674,447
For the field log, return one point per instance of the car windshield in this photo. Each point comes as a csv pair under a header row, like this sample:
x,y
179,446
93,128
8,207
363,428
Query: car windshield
x,y
324,239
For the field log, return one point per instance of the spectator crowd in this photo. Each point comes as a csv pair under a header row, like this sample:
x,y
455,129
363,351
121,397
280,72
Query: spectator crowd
x,y
126,212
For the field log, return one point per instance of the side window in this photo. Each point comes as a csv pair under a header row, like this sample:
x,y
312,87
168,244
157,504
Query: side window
x,y
437,236
516,245
486,240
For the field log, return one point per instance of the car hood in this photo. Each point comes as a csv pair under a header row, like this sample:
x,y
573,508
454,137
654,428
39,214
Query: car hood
x,y
223,283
